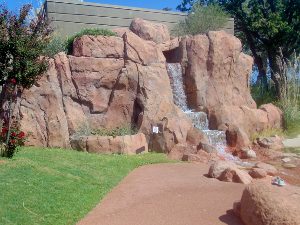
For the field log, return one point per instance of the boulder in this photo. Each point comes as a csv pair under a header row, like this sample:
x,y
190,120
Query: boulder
x,y
128,144
236,176
270,170
263,203
217,168
257,173
149,31
228,172
247,153
99,47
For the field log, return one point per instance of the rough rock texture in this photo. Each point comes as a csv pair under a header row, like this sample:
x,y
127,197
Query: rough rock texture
x,y
108,82
157,33
128,144
274,143
115,81
257,173
263,204
217,82
270,170
228,172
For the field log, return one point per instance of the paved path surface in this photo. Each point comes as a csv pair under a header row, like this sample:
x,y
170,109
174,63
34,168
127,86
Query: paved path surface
x,y
292,143
168,194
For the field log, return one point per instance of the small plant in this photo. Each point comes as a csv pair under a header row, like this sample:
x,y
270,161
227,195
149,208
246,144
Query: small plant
x,y
92,32
16,139
119,131
266,133
56,45
202,19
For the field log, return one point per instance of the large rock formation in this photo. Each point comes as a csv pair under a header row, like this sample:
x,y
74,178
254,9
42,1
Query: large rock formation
x,y
115,81
107,82
216,74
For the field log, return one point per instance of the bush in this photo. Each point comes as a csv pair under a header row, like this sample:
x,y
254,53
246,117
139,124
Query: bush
x,y
92,32
119,131
16,139
56,45
202,19
85,130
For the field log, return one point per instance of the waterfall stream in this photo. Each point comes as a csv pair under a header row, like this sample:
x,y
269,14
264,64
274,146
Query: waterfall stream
x,y
199,119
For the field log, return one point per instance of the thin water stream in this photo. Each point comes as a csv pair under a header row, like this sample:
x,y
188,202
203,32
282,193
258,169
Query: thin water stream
x,y
199,119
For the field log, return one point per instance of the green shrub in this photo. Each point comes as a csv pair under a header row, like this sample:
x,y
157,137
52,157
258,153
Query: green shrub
x,y
119,131
92,32
56,45
266,133
202,19
85,130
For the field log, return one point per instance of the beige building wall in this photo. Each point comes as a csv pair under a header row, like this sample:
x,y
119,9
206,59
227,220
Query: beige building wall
x,y
71,16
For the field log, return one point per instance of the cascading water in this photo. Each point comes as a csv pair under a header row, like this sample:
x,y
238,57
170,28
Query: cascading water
x,y
199,119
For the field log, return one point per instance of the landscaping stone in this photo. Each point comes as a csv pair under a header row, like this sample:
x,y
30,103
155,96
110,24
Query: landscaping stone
x,y
274,143
257,173
271,170
236,176
289,165
128,144
228,172
247,153
147,30
263,203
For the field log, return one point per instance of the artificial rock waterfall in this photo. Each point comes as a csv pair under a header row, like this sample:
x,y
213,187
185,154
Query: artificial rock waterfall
x,y
112,81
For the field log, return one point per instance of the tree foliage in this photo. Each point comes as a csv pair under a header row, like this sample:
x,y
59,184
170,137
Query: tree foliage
x,y
22,42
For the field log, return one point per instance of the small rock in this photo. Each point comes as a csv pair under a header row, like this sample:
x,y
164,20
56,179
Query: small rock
x,y
217,168
258,173
286,160
248,153
208,148
274,142
271,170
236,176
229,172
289,165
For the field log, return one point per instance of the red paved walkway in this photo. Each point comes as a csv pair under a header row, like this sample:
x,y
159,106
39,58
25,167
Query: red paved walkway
x,y
168,194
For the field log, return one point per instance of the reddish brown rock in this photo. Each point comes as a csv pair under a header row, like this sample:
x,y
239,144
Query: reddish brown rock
x,y
263,203
270,170
99,47
274,143
236,176
41,112
140,51
229,172
128,144
217,81
149,31
257,173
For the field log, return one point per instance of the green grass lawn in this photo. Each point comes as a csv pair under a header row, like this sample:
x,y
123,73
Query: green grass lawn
x,y
54,186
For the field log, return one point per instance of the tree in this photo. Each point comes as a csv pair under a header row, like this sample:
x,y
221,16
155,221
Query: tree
x,y
271,29
22,41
